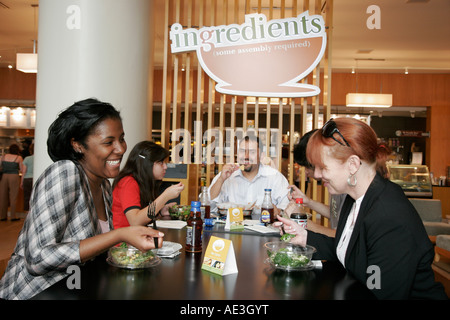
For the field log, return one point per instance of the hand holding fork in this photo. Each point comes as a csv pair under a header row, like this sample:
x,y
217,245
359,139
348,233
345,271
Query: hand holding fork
x,y
152,216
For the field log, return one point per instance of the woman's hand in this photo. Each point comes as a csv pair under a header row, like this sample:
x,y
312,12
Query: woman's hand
x,y
139,237
173,191
165,209
292,227
291,208
142,237
297,193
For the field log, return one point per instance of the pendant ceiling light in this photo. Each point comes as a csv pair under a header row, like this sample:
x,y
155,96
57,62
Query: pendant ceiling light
x,y
369,100
27,62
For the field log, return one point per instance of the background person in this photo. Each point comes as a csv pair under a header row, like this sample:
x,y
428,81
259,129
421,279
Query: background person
x,y
247,186
336,200
138,184
70,220
27,179
378,226
12,165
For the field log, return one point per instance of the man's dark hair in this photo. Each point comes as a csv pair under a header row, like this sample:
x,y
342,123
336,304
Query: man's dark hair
x,y
300,150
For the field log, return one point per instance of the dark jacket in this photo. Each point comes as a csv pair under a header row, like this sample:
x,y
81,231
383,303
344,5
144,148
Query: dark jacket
x,y
389,235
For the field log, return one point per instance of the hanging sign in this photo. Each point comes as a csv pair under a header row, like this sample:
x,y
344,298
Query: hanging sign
x,y
219,257
411,133
258,58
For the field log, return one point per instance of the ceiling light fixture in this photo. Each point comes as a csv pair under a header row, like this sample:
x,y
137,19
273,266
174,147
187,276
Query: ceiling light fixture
x,y
27,62
369,100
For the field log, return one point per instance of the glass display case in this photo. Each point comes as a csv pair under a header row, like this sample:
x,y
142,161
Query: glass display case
x,y
414,179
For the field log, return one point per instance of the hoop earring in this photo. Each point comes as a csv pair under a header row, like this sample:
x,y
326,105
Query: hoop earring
x,y
350,182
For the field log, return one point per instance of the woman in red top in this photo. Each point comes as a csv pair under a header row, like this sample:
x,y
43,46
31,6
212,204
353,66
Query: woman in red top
x,y
138,184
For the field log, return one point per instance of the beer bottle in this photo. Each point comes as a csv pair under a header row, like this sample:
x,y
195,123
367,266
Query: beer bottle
x,y
267,214
194,229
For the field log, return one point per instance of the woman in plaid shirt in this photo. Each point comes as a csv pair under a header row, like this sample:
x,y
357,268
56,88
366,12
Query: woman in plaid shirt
x,y
70,220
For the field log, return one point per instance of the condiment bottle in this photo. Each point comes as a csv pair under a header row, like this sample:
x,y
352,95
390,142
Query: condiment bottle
x,y
205,203
267,215
299,215
194,229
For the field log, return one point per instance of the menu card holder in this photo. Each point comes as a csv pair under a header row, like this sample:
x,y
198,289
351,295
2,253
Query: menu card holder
x,y
235,219
219,257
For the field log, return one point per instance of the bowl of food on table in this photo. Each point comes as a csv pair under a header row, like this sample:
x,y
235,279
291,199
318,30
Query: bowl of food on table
x,y
247,209
179,212
128,257
287,256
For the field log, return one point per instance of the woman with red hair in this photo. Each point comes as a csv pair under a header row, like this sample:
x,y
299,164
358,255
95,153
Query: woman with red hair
x,y
378,228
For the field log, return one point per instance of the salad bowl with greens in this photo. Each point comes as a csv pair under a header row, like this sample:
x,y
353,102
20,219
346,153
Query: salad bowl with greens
x,y
128,257
288,256
179,212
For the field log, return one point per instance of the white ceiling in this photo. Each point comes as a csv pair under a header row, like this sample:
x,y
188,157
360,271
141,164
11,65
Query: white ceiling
x,y
414,34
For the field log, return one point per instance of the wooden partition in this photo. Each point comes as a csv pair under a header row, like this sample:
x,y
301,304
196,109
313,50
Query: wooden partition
x,y
199,121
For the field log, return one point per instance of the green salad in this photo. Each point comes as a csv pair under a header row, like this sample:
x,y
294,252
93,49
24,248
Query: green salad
x,y
286,258
125,256
287,237
179,212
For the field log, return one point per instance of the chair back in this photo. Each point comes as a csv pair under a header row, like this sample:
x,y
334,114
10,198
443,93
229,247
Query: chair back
x,y
429,210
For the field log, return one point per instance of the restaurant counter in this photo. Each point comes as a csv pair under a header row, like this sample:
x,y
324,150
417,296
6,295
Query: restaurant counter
x,y
181,278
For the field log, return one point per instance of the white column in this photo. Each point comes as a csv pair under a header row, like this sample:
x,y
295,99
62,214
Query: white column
x,y
92,49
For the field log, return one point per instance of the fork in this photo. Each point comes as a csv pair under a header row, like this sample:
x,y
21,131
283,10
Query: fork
x,y
152,216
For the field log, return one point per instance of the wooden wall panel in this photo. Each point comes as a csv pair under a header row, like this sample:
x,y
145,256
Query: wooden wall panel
x,y
16,85
183,91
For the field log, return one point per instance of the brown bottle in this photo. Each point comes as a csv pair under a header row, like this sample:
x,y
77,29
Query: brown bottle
x,y
194,229
267,213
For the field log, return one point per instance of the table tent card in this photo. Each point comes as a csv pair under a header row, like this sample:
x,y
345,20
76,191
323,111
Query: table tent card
x,y
235,219
219,257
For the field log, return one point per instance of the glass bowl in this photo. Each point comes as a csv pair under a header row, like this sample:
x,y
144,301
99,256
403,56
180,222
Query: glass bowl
x,y
179,212
128,257
288,256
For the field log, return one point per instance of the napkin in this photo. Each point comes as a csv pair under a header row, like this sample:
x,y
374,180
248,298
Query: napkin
x,y
170,224
168,250
262,229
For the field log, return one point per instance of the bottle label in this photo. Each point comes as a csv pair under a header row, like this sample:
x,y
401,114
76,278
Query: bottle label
x,y
189,235
302,222
265,216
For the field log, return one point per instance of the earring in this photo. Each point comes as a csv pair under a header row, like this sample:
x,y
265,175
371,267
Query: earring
x,y
350,182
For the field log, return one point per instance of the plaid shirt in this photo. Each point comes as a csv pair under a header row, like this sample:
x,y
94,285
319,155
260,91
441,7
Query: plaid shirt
x,y
61,214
